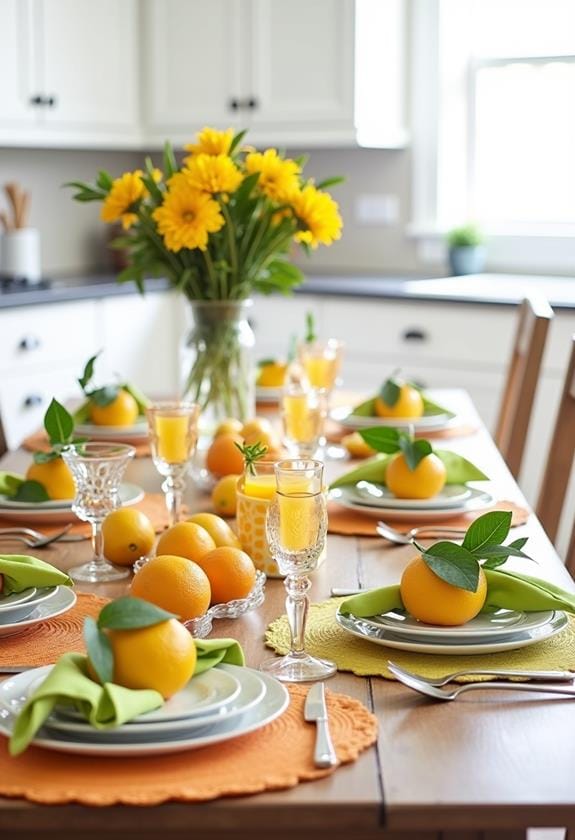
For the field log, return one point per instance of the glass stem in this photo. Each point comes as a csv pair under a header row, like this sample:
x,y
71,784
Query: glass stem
x,y
173,488
98,542
297,604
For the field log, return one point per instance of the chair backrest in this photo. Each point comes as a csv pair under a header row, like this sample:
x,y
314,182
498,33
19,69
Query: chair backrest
x,y
3,444
560,463
522,376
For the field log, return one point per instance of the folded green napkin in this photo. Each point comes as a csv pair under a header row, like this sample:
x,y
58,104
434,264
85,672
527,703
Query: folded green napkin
x,y
367,408
505,590
22,571
104,706
458,470
10,482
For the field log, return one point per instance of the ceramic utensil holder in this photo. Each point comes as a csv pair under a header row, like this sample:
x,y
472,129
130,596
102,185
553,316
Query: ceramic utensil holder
x,y
20,254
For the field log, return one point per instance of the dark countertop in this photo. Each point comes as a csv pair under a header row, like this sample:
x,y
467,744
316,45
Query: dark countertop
x,y
489,289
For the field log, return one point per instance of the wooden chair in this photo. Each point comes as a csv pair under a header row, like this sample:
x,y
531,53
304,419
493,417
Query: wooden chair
x,y
560,463
519,391
3,444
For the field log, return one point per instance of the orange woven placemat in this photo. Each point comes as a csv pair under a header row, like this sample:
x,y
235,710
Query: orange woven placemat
x,y
277,757
45,642
38,442
344,521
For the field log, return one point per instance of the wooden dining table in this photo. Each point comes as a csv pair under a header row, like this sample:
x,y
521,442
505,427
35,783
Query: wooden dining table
x,y
486,764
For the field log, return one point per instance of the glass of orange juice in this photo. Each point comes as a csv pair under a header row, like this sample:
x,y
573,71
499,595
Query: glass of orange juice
x,y
303,415
296,527
173,432
255,493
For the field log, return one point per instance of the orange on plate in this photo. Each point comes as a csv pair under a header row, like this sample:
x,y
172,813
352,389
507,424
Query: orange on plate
x,y
434,601
409,404
424,482
55,478
174,583
186,539
231,573
123,411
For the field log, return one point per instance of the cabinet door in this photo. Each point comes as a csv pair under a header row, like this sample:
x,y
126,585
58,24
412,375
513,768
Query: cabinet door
x,y
302,67
191,66
16,64
89,64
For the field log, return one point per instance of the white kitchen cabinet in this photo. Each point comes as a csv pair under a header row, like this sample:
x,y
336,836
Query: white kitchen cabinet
x,y
70,73
286,71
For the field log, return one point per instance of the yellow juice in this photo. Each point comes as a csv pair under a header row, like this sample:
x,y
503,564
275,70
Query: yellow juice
x,y
174,441
321,371
302,420
259,486
298,521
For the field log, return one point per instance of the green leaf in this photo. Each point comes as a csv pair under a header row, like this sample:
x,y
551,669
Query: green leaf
x,y
105,396
170,162
104,180
82,413
264,362
88,371
501,551
330,182
382,438
236,141
58,423
10,482
490,529
46,457
99,650
453,564
494,562
414,451
126,613
365,408
519,543
310,333
31,491
390,392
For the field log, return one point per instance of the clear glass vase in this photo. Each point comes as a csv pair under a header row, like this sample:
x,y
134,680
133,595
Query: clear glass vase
x,y
217,361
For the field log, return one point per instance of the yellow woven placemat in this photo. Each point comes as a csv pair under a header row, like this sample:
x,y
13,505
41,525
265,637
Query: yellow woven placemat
x,y
325,638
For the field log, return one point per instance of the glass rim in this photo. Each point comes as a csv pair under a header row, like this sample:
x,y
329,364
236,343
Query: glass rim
x,y
184,407
220,304
93,449
313,465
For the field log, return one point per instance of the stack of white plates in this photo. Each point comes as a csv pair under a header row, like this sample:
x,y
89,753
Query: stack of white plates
x,y
57,511
22,610
427,423
377,500
137,431
218,705
486,633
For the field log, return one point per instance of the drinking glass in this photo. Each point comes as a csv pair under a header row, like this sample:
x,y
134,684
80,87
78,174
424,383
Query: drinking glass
x,y
97,469
173,430
296,526
321,361
303,414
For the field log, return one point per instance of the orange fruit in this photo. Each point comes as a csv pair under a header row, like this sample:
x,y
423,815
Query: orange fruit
x,y
217,528
223,457
256,426
231,573
409,404
225,495
55,478
229,426
271,375
268,439
162,657
123,411
425,481
174,583
128,534
356,446
430,599
186,539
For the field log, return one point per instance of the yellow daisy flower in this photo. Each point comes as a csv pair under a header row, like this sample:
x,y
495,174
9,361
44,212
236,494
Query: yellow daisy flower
x,y
124,193
318,214
187,216
213,173
211,142
279,178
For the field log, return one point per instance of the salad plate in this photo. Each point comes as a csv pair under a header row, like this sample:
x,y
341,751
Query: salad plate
x,y
427,422
366,492
137,431
363,629
273,703
17,612
478,500
16,598
62,600
268,395
53,512
485,626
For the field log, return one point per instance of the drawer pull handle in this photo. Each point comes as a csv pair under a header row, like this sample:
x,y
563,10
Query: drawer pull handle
x,y
415,334
29,342
33,400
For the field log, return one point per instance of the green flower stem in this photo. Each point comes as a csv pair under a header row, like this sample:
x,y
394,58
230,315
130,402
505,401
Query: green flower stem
x,y
231,231
211,273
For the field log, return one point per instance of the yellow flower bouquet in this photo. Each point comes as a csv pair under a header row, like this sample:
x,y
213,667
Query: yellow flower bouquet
x,y
219,227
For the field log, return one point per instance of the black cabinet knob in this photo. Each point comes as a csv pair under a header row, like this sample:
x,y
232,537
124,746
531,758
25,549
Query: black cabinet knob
x,y
29,342
51,101
234,104
36,100
33,400
252,103
415,334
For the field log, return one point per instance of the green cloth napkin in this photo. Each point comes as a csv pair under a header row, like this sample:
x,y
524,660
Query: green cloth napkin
x,y
22,571
9,483
104,706
458,470
367,408
505,590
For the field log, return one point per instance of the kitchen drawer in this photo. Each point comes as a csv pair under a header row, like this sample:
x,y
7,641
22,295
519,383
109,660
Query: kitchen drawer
x,y
24,400
421,331
41,336
276,318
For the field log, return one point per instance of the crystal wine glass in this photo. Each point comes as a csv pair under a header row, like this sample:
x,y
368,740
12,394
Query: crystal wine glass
x,y
173,430
296,527
322,361
97,469
303,415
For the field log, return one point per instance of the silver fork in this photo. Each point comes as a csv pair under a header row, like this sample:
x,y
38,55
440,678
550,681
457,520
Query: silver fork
x,y
20,530
34,542
400,538
451,694
438,682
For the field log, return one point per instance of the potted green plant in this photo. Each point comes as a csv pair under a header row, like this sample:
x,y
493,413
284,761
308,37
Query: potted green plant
x,y
466,250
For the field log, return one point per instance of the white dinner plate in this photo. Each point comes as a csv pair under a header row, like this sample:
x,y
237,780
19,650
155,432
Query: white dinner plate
x,y
52,513
484,626
428,422
251,690
16,598
366,630
365,492
274,702
63,600
478,500
271,395
138,431
205,694
17,612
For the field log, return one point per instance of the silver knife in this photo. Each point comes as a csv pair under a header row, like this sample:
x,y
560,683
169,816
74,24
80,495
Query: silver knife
x,y
315,710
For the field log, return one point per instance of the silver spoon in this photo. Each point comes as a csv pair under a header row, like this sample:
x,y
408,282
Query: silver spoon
x,y
451,694
438,682
406,538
